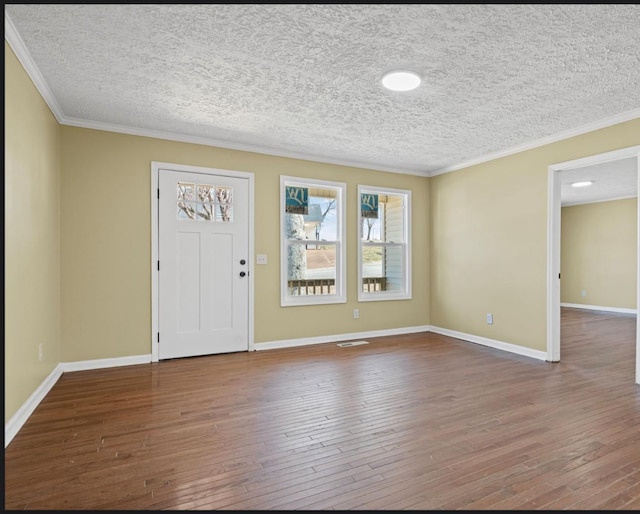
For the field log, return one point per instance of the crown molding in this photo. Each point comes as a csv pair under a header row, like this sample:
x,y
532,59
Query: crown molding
x,y
554,138
230,145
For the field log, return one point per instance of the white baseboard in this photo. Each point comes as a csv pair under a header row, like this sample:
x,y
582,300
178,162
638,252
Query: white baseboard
x,y
599,308
499,345
289,343
12,427
493,343
105,363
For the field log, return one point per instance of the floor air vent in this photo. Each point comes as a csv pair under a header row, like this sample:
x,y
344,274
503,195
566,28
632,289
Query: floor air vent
x,y
352,343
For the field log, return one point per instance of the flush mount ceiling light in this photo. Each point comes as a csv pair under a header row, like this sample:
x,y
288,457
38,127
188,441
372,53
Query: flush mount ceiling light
x,y
401,80
583,183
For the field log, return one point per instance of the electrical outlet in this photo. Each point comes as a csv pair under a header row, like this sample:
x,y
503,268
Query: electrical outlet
x,y
356,313
583,293
489,318
40,351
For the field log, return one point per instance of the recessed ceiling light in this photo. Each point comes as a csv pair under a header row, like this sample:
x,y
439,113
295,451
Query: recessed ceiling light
x,y
584,183
401,80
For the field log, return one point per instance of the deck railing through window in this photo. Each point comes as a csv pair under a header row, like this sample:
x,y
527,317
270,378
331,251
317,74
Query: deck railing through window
x,y
298,287
371,284
316,286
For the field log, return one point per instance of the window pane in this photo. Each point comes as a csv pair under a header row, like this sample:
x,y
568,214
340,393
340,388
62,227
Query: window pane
x,y
384,246
321,222
373,278
393,268
186,211
392,230
185,195
205,193
311,261
224,198
294,226
370,229
372,261
312,257
205,211
186,191
224,195
382,268
311,269
224,212
319,225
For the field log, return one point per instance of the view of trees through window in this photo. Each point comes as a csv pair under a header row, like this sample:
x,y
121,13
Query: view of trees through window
x,y
312,246
312,252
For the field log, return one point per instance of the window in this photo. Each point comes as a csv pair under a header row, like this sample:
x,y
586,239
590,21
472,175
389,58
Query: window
x,y
312,252
384,250
204,202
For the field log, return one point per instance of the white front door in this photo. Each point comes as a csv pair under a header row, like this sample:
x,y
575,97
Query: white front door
x,y
203,277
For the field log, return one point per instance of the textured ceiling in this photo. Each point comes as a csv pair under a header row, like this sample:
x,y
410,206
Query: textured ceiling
x,y
611,181
303,80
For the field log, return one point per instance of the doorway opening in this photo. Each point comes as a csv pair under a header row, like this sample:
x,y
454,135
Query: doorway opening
x,y
629,155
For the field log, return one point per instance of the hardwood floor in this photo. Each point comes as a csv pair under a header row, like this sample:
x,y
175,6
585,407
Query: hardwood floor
x,y
418,421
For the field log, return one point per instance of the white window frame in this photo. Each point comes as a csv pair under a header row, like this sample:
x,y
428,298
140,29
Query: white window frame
x,y
340,296
405,245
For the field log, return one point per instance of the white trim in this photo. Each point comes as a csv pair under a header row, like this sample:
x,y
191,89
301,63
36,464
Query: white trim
x,y
115,362
19,48
498,345
155,254
599,308
553,244
13,426
553,265
492,343
601,158
612,199
305,341
638,274
554,138
156,166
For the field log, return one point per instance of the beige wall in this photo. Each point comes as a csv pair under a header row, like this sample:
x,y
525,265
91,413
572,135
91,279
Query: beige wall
x,y
32,237
599,253
106,244
489,239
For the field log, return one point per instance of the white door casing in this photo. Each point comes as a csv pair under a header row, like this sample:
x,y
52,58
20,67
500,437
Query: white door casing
x,y
203,273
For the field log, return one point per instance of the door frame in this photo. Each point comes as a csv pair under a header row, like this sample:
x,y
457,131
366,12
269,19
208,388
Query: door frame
x,y
553,246
155,312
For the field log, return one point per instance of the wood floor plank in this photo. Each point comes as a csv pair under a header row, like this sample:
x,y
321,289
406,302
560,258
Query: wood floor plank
x,y
410,422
